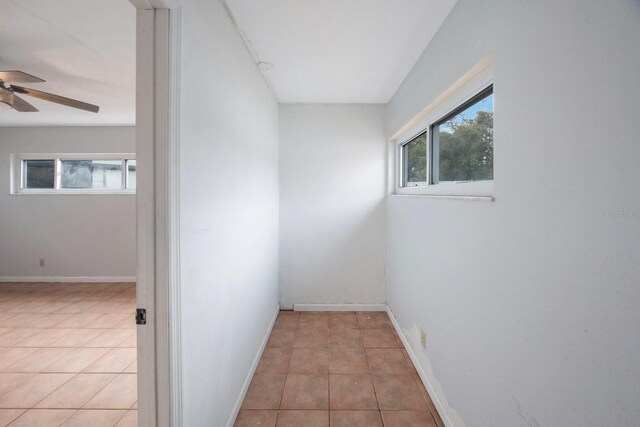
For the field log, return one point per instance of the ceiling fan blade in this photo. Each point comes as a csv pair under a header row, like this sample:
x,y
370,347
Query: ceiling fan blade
x,y
15,76
21,105
56,98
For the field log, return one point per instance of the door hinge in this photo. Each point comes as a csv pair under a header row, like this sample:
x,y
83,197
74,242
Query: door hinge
x,y
141,316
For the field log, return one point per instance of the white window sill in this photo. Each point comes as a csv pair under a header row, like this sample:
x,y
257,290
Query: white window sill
x,y
447,197
74,193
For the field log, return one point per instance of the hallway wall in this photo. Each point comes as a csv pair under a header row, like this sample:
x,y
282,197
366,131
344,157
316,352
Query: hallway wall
x,y
228,213
332,211
530,303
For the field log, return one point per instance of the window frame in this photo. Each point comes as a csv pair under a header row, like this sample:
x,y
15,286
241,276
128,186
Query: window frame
x,y
17,181
455,103
404,160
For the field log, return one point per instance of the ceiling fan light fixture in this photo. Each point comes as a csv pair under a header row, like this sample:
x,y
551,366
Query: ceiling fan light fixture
x,y
6,99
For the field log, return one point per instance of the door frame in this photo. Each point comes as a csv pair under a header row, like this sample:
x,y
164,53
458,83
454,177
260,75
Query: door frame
x,y
157,211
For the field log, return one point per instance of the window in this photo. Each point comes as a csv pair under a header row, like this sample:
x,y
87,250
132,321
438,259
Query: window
x,y
131,174
414,157
73,173
452,154
39,174
462,142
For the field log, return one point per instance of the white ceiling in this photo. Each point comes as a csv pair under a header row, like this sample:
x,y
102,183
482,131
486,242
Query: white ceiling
x,y
84,49
335,51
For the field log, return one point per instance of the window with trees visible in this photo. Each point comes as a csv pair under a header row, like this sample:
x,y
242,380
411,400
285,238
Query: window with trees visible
x,y
414,157
73,173
462,142
455,149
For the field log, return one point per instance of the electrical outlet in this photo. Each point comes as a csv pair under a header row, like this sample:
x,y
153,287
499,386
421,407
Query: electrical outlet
x,y
423,338
41,262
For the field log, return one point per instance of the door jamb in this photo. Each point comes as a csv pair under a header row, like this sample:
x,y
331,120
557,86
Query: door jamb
x,y
157,203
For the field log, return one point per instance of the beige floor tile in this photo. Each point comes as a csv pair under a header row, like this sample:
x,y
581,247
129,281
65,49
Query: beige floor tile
x,y
256,418
309,361
345,338
43,418
274,361
131,339
355,419
115,360
76,360
121,393
43,338
265,391
8,415
132,368
302,391
348,361
38,360
95,418
311,338
398,393
9,381
76,338
28,320
79,320
287,320
313,320
34,389
408,419
129,322
11,355
282,338
343,320
109,338
130,419
374,320
352,392
77,307
380,338
76,392
109,320
14,335
303,418
387,361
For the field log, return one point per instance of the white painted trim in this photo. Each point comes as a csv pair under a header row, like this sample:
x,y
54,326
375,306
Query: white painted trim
x,y
339,307
442,409
252,371
68,279
157,84
450,197
173,220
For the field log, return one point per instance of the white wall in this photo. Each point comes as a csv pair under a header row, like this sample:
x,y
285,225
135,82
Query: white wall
x,y
77,235
229,212
332,209
531,303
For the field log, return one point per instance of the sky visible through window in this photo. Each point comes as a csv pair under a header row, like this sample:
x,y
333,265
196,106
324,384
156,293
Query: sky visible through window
x,y
470,113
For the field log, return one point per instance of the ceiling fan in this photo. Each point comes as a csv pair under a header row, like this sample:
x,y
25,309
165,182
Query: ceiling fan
x,y
9,99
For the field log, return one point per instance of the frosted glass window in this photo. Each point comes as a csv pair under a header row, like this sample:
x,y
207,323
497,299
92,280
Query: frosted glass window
x,y
105,174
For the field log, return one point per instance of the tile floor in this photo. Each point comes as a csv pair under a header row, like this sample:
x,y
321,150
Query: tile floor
x,y
338,369
67,354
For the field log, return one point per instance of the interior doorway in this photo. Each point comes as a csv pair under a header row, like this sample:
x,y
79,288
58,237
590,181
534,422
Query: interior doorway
x,y
71,351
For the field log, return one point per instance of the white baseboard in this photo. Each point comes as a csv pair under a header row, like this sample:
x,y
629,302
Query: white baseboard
x,y
339,307
69,279
442,409
252,370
